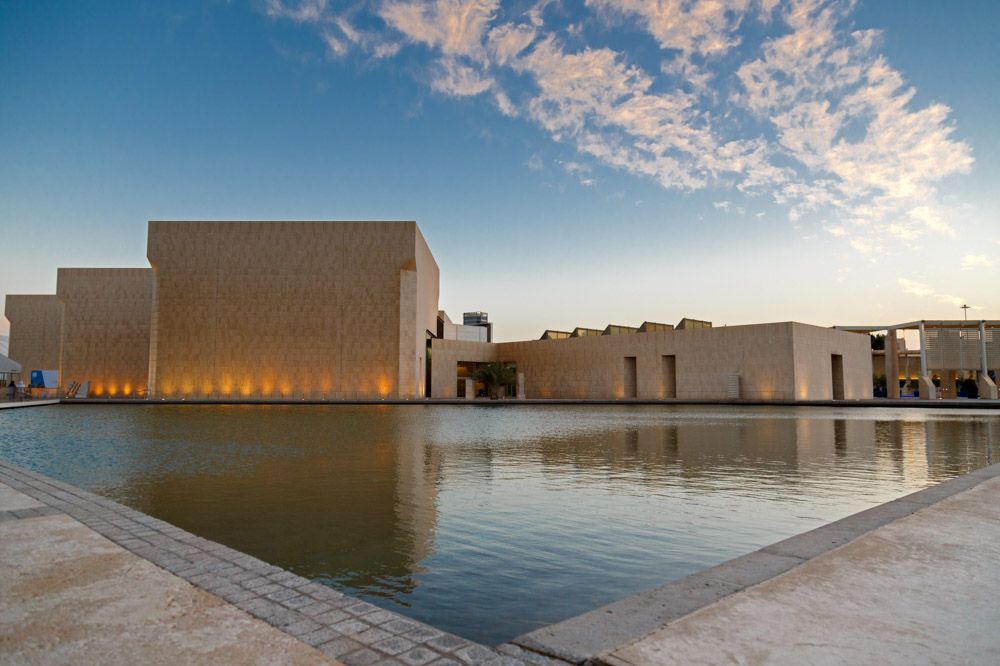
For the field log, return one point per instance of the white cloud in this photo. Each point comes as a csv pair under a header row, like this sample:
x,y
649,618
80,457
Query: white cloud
x,y
303,11
458,80
535,163
972,261
924,291
843,139
508,41
846,117
722,205
456,27
700,27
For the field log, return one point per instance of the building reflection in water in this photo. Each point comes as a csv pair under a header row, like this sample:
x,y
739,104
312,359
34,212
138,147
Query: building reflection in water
x,y
492,521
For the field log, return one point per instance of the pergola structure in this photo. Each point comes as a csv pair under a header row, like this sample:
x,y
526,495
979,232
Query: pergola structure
x,y
948,347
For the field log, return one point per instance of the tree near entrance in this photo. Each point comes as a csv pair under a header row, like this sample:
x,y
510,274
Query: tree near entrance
x,y
496,376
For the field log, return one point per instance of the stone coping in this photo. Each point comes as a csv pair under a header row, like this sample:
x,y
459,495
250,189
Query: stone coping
x,y
29,403
355,632
583,638
868,403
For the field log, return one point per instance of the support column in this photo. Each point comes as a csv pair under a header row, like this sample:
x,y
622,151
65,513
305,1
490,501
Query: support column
x,y
987,388
891,365
927,389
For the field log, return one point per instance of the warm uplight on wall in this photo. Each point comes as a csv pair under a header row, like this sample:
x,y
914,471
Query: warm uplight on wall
x,y
127,389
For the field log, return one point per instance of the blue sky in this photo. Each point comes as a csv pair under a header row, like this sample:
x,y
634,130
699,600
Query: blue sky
x,y
570,163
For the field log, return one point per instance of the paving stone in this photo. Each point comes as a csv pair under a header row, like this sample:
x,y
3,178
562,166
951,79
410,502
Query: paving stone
x,y
281,576
360,608
372,636
399,626
235,594
270,588
302,627
447,642
243,576
475,654
321,635
339,646
503,660
256,583
418,656
351,627
387,661
378,617
331,617
297,602
420,634
260,608
391,645
317,608
281,594
445,661
362,657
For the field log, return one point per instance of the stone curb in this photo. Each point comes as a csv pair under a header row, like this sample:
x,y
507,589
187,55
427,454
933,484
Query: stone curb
x,y
583,638
511,402
355,632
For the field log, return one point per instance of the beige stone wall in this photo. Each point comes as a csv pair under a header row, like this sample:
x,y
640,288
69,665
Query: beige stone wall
x,y
320,310
35,330
814,348
105,332
704,361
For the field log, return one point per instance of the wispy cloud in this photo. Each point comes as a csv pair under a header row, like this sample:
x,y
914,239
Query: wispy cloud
x,y
811,116
973,261
925,291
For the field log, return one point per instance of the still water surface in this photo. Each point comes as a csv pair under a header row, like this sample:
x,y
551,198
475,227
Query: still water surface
x,y
493,521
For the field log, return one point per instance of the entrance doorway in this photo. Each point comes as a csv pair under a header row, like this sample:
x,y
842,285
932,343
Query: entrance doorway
x,y
669,387
837,371
631,380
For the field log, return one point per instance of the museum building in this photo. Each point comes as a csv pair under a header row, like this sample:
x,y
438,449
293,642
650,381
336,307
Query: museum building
x,y
340,311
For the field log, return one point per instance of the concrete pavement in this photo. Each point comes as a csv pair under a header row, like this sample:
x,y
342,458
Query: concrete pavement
x,y
922,589
70,596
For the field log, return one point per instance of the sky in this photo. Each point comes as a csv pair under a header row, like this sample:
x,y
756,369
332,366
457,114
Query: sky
x,y
571,163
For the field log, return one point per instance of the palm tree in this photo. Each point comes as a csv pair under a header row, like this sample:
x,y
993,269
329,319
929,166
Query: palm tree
x,y
496,375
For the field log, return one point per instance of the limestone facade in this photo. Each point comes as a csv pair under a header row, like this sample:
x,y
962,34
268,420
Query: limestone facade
x,y
314,310
784,361
35,330
105,329
349,310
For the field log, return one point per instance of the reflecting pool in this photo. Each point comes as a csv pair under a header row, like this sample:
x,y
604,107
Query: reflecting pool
x,y
490,521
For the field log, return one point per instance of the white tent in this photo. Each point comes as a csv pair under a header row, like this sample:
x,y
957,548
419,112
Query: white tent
x,y
8,368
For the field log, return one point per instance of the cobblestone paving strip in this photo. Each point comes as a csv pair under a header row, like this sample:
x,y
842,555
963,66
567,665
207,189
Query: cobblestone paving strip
x,y
353,631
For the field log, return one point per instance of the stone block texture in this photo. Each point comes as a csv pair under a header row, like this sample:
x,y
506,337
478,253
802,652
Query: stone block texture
x,y
35,330
313,310
783,361
105,329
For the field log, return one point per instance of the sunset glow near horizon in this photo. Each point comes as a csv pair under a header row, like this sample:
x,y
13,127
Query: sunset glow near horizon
x,y
569,163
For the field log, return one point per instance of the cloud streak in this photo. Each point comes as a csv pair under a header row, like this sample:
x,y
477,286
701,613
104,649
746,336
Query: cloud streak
x,y
811,116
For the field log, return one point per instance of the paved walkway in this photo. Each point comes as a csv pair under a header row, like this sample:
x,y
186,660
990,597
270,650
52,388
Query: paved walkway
x,y
135,557
70,596
924,589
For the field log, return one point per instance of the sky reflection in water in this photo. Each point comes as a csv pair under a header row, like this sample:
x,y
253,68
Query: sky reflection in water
x,y
493,521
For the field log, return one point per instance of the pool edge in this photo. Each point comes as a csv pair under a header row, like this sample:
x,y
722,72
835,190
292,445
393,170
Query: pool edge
x,y
583,638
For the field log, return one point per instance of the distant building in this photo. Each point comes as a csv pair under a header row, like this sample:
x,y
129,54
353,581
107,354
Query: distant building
x,y
340,311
